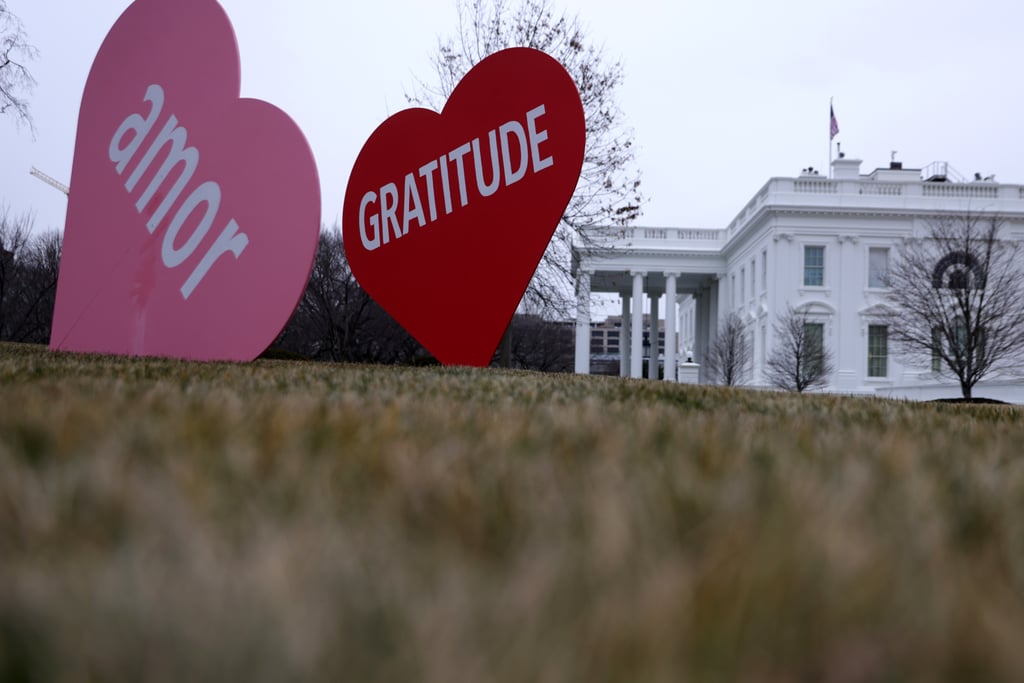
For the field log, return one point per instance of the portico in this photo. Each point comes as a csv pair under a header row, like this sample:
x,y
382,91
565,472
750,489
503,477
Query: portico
x,y
642,265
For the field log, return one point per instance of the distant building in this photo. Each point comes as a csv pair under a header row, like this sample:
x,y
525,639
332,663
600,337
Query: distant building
x,y
819,244
606,339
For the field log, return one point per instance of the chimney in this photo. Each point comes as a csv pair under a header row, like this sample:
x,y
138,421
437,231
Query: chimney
x,y
846,169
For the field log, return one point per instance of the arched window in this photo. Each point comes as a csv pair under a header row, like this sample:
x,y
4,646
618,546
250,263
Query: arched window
x,y
958,270
958,279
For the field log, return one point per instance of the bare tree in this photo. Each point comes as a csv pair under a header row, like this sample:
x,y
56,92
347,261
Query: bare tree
x,y
333,307
28,279
37,289
337,320
16,82
799,359
609,189
15,234
958,300
728,357
536,343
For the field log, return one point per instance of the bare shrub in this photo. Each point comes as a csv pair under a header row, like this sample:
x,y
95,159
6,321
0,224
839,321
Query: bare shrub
x,y
799,359
728,358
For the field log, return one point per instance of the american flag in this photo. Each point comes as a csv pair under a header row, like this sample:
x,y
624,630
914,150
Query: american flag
x,y
833,124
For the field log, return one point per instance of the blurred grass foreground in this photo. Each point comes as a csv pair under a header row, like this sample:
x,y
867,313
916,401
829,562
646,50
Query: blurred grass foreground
x,y
293,521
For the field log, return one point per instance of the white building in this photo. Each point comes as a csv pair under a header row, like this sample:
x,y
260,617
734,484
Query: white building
x,y
819,244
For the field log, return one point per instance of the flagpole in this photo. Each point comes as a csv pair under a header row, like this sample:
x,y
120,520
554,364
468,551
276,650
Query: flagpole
x,y
831,116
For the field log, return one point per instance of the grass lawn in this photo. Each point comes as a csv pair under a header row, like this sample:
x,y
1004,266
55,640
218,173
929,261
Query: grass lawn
x,y
291,521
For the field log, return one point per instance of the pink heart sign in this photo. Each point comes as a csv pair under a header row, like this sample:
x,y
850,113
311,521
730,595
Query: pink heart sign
x,y
447,215
194,215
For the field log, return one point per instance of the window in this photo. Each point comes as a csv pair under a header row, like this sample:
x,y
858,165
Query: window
x,y
878,266
936,349
958,345
814,266
959,280
958,348
764,270
732,291
814,343
969,343
743,283
878,351
958,270
753,288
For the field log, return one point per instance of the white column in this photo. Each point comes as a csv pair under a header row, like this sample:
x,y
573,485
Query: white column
x,y
715,298
703,331
710,313
624,338
636,349
652,363
583,323
671,341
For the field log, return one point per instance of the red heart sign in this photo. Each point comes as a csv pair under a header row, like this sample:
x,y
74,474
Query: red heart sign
x,y
447,215
194,215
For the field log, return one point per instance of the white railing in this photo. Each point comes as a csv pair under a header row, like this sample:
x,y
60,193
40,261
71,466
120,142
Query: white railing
x,y
882,189
752,206
698,235
965,191
660,237
676,235
815,186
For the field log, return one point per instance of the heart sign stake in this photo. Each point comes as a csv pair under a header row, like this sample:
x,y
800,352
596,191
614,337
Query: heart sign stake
x,y
194,215
446,216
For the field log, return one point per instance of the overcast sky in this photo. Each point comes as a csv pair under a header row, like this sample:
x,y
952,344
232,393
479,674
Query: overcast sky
x,y
721,95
